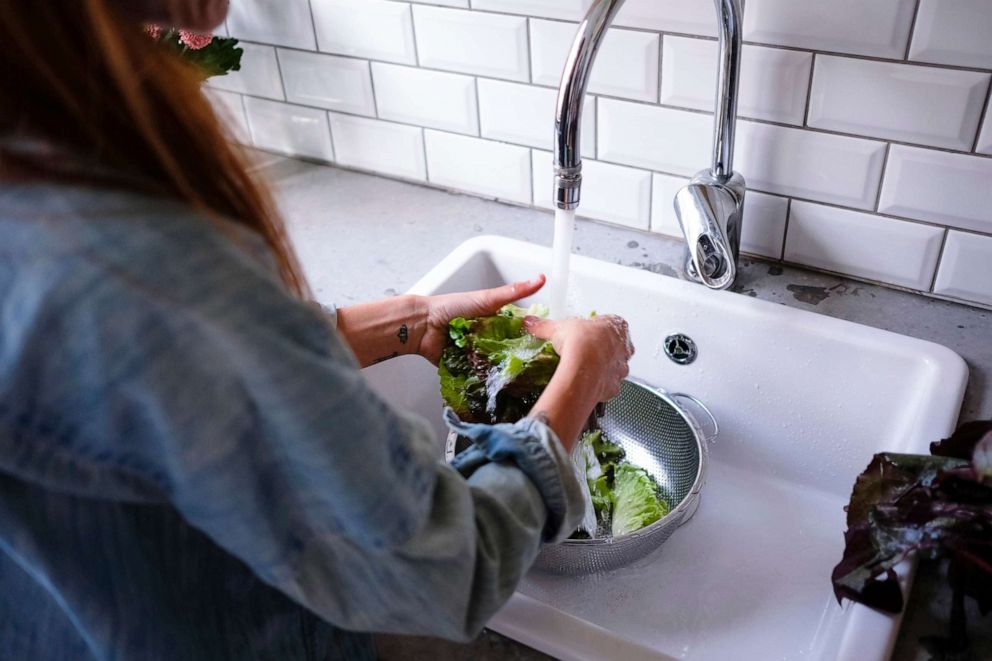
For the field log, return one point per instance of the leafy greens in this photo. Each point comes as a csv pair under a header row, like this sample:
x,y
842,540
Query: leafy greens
x,y
939,507
625,497
493,371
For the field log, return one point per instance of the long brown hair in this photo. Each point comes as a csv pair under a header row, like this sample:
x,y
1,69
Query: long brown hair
x,y
81,75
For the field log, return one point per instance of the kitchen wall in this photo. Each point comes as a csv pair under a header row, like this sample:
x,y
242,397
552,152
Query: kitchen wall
x,y
865,135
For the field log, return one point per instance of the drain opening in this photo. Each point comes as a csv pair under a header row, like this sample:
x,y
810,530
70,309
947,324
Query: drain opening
x,y
680,348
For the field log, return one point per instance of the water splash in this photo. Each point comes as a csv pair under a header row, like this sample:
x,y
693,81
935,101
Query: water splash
x,y
561,253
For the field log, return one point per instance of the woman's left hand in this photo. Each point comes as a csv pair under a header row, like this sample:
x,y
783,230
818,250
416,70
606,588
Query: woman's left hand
x,y
442,309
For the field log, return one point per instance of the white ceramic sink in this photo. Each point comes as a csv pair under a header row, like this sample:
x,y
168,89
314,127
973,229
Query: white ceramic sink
x,y
802,400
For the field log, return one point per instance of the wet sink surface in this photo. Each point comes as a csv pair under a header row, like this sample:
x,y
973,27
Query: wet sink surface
x,y
803,401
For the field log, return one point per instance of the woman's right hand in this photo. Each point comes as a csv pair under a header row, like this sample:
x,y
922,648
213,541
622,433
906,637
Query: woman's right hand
x,y
594,355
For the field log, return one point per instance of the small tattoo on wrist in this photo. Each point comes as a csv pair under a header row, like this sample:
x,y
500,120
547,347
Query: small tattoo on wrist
x,y
403,334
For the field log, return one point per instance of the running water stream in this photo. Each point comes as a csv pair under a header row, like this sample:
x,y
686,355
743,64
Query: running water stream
x,y
561,253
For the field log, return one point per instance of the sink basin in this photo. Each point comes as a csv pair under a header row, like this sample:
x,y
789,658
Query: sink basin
x,y
802,400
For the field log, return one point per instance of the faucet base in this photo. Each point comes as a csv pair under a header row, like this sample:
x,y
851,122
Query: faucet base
x,y
710,211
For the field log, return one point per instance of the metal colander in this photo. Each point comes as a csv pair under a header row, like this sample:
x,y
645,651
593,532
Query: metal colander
x,y
660,434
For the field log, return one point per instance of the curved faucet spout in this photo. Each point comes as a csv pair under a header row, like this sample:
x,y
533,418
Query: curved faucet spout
x,y
571,94
725,119
710,209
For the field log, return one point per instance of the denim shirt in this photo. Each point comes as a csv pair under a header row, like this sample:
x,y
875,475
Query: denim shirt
x,y
192,465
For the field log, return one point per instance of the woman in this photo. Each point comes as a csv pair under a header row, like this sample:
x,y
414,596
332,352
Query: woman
x,y
191,464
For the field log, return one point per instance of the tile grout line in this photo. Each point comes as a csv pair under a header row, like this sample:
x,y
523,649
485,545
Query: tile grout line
x,y
478,107
881,177
650,200
375,97
986,109
595,135
530,57
809,91
530,179
912,29
282,79
661,65
413,28
785,232
313,26
940,259
423,152
330,135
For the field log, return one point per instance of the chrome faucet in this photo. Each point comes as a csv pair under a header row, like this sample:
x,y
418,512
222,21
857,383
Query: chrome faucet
x,y
710,208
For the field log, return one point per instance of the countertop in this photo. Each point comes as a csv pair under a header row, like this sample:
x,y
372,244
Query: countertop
x,y
361,237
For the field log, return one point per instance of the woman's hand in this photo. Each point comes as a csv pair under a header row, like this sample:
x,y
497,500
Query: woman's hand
x,y
599,346
402,325
594,356
480,303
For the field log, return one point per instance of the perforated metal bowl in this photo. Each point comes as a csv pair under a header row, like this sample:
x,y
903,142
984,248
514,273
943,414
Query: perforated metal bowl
x,y
660,434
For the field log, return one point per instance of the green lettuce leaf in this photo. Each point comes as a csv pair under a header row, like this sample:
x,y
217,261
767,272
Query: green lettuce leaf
x,y
636,500
503,368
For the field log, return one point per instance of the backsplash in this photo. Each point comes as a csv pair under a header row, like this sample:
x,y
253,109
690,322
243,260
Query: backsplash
x,y
865,133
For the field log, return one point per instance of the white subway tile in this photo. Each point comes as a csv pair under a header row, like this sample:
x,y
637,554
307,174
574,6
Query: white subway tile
x,y
819,166
380,146
954,32
446,3
950,189
878,27
764,224
685,16
764,217
626,65
613,193
230,112
426,98
672,141
985,139
376,29
773,81
259,74
285,23
966,268
472,42
570,10
525,114
925,105
863,245
289,129
327,81
480,166
663,218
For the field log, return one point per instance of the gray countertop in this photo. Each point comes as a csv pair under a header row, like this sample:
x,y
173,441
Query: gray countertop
x,y
362,237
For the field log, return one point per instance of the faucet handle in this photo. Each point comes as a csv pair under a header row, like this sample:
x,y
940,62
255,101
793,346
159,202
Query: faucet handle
x,y
704,212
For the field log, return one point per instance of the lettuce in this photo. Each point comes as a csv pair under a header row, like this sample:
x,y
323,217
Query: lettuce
x,y
635,500
937,507
494,370
625,497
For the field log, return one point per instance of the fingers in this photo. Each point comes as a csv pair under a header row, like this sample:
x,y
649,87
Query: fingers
x,y
500,296
542,328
